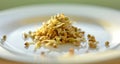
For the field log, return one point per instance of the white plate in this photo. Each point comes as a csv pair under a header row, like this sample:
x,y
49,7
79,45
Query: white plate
x,y
101,22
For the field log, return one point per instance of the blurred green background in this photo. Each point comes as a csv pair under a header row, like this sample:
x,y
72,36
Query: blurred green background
x,y
5,4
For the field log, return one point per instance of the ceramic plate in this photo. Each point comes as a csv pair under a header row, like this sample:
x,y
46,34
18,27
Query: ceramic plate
x,y
103,23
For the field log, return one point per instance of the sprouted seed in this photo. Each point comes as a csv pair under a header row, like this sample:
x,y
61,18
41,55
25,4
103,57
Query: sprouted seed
x,y
54,45
71,51
107,43
27,44
25,35
42,54
4,37
29,32
92,41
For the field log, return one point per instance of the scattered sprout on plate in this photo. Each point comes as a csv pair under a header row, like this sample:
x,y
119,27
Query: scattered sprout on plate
x,y
3,39
92,41
107,43
71,51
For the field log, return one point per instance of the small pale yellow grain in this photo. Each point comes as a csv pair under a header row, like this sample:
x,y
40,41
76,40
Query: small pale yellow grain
x,y
25,35
27,44
54,45
29,32
42,54
71,51
4,37
76,43
107,44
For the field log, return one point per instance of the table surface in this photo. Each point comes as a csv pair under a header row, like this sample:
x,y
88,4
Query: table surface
x,y
113,61
5,4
